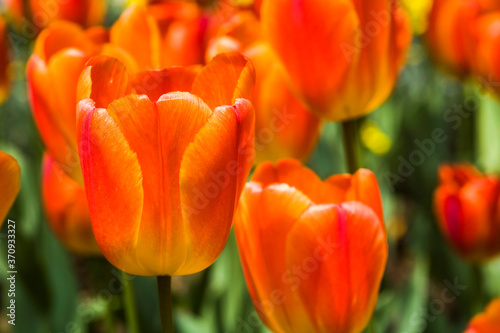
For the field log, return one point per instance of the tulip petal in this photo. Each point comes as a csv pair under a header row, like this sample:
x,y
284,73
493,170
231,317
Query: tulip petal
x,y
343,249
276,208
43,105
293,173
227,77
66,207
310,37
159,82
10,183
61,35
209,180
113,183
159,134
137,33
104,80
488,321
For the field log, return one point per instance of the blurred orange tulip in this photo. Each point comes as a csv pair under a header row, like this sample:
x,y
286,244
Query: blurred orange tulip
x,y
67,210
4,62
40,13
162,35
449,32
488,321
164,170
342,58
62,50
313,252
283,126
60,54
466,204
486,51
10,183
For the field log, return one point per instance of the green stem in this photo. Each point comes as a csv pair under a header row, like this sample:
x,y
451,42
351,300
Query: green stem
x,y
350,145
165,294
109,321
479,290
129,304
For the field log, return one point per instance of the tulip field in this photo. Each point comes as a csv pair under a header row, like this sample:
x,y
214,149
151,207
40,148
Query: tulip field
x,y
233,166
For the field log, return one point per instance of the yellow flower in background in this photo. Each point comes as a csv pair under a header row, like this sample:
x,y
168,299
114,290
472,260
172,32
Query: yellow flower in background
x,y
418,10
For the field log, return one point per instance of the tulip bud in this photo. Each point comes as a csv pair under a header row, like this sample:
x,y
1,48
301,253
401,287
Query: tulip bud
x,y
466,204
313,252
488,321
10,183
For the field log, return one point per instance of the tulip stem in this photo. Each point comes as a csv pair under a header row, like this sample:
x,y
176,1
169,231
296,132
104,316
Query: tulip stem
x,y
165,293
350,145
479,291
129,304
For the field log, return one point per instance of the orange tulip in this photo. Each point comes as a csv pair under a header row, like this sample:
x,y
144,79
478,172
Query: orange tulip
x,y
67,210
10,183
486,51
283,126
161,35
488,321
466,204
4,62
341,58
38,14
313,252
163,170
61,52
449,31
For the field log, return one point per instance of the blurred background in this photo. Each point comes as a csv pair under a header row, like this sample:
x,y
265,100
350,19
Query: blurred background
x,y
57,291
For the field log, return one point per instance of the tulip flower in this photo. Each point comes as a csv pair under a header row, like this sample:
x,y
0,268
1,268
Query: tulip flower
x,y
67,210
60,54
284,128
4,62
165,155
341,58
162,35
467,209
38,14
485,37
449,32
10,183
313,252
488,321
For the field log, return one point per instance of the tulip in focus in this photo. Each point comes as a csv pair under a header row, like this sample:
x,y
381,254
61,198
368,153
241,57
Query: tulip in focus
x,y
313,252
467,208
10,183
341,58
449,33
165,155
488,321
67,210
283,126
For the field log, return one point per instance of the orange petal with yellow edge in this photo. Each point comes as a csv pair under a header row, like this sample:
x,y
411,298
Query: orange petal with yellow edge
x,y
113,183
263,220
209,178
